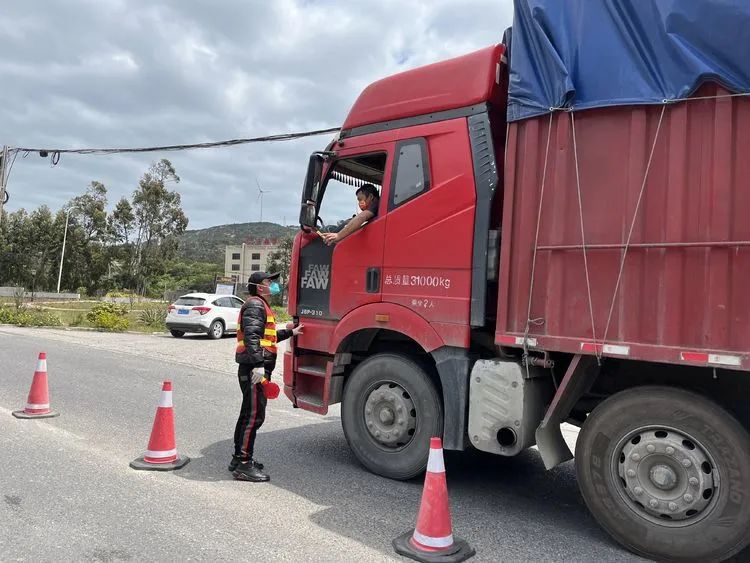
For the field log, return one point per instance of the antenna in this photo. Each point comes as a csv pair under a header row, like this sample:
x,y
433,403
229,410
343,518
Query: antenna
x,y
261,191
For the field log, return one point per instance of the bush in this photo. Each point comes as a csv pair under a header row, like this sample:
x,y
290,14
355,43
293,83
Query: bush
x,y
109,316
78,320
7,316
28,317
153,316
114,294
37,318
281,315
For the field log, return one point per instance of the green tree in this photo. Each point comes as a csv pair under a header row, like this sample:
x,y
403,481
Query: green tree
x,y
132,247
87,249
185,276
158,219
91,207
122,222
280,260
27,247
42,249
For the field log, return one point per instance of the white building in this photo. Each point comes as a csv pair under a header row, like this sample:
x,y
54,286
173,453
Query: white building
x,y
251,256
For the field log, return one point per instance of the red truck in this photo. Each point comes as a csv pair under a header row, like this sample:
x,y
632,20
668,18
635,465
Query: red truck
x,y
589,267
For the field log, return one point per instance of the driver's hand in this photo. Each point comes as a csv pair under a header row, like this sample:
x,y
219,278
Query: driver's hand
x,y
330,238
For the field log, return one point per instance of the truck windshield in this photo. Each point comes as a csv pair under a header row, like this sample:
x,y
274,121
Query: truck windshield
x,y
339,203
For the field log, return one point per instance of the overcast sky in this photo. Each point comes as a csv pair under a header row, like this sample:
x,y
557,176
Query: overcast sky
x,y
112,73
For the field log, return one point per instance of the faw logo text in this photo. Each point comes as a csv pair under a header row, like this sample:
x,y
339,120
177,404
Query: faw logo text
x,y
316,277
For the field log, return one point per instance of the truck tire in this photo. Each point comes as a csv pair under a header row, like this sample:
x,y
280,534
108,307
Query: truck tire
x,y
667,473
389,412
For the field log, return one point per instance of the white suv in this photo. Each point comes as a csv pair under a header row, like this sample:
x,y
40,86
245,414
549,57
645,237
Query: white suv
x,y
204,312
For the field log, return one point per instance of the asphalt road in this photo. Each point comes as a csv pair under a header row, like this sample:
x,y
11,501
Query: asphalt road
x,y
67,493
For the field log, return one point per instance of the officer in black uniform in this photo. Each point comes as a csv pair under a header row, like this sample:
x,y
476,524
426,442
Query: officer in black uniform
x,y
256,355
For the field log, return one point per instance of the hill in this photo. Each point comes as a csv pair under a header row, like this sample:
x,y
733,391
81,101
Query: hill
x,y
207,245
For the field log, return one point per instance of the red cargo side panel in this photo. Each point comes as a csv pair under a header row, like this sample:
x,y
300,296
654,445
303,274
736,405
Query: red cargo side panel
x,y
682,283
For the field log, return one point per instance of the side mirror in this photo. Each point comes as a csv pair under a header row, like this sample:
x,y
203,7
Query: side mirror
x,y
311,191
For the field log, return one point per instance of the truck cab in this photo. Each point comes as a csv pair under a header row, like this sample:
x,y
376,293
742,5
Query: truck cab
x,y
415,282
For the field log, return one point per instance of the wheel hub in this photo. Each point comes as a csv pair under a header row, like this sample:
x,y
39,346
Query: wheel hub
x,y
390,415
387,416
663,477
667,476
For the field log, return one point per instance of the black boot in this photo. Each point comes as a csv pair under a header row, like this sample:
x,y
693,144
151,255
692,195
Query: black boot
x,y
248,471
236,461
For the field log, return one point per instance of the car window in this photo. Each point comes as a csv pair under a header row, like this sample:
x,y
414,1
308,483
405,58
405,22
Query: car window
x,y
224,302
190,301
238,303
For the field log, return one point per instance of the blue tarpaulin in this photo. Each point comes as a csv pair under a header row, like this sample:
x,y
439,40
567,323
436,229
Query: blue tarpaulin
x,y
591,53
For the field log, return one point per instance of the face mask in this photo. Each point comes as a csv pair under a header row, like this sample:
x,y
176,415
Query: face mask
x,y
274,288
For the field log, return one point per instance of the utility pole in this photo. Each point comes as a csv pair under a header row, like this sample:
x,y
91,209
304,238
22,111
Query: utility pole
x,y
3,177
62,254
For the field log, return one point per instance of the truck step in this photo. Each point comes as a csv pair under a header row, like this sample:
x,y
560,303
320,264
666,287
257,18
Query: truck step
x,y
317,371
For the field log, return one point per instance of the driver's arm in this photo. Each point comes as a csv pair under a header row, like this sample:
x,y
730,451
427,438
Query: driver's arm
x,y
349,228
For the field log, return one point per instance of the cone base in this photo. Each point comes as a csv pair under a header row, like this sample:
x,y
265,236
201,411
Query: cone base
x,y
24,414
143,465
459,551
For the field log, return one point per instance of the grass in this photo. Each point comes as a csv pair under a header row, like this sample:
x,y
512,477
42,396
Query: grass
x,y
73,313
65,305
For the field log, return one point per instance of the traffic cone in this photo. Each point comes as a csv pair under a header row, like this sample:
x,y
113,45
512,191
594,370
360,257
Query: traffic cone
x,y
432,540
162,452
37,405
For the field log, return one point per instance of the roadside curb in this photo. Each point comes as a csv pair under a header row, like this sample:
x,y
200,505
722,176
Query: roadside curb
x,y
87,329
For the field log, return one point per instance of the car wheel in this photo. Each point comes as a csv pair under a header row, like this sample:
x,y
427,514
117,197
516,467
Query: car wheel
x,y
177,333
667,473
216,330
389,412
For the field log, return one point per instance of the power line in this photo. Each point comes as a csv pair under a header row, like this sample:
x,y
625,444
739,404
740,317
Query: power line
x,y
56,152
10,168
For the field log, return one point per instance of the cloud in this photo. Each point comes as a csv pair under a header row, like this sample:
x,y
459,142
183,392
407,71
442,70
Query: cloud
x,y
109,73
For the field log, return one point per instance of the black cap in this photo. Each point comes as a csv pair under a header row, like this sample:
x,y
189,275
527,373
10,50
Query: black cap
x,y
257,278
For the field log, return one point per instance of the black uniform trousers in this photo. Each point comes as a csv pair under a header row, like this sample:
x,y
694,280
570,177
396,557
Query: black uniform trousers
x,y
252,413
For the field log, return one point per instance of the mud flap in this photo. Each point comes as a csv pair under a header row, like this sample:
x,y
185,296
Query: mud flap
x,y
453,369
581,374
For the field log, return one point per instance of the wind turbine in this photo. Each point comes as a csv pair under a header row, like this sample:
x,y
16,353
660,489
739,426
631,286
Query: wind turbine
x,y
260,198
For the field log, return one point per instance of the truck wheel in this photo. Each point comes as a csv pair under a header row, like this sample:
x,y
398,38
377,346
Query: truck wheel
x,y
389,412
667,474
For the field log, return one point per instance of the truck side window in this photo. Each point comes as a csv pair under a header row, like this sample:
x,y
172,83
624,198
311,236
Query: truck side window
x,y
339,200
412,172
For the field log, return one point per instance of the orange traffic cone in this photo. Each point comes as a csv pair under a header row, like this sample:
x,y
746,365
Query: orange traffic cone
x,y
162,453
432,540
37,405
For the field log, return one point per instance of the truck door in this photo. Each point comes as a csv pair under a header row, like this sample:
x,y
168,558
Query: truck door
x,y
337,279
428,247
